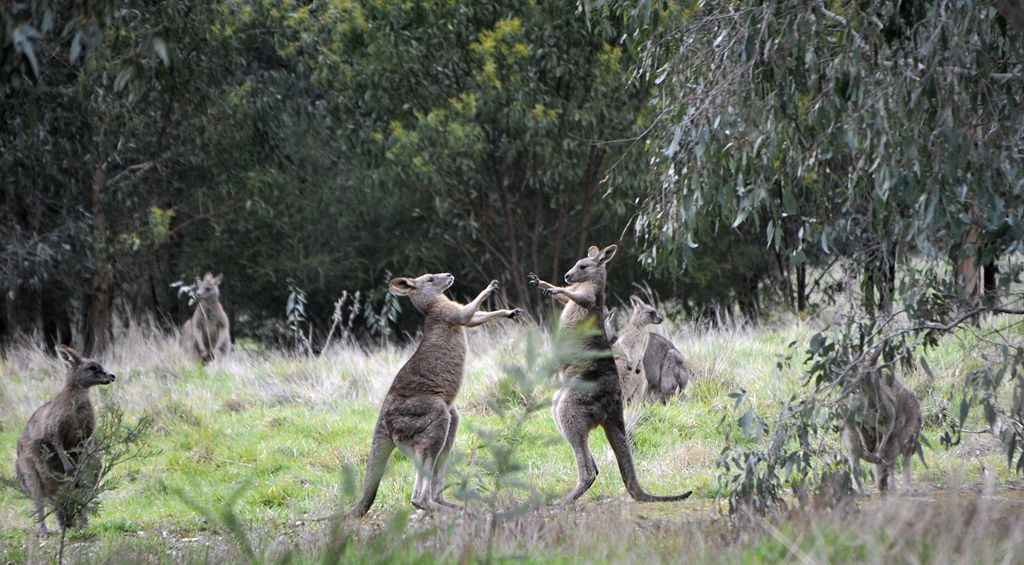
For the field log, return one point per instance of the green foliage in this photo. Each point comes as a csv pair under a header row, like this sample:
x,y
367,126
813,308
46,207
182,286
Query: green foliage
x,y
872,133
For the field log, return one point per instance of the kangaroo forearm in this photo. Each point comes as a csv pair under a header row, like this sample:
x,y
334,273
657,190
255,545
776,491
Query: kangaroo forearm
x,y
62,454
470,309
561,298
584,300
480,318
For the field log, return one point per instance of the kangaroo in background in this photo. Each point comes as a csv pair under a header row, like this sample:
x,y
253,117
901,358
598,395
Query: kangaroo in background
x,y
418,415
666,371
630,348
51,449
207,333
888,424
592,396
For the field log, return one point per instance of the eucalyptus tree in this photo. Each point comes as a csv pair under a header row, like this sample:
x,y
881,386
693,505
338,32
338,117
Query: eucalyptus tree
x,y
875,131
885,134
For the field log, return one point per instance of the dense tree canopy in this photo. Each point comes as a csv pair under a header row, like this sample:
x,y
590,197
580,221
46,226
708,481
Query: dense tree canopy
x,y
747,147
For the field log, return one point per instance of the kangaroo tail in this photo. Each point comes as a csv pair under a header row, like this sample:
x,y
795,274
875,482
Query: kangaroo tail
x,y
615,431
380,451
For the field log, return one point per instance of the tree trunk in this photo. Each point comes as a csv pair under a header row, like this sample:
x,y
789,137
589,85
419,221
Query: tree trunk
x,y
967,268
99,300
591,182
801,288
990,274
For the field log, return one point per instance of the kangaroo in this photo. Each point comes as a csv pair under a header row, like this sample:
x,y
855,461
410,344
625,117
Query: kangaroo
x,y
418,415
888,424
56,438
593,396
666,371
630,348
207,333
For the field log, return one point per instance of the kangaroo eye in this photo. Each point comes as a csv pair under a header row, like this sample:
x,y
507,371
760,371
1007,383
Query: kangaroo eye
x,y
583,267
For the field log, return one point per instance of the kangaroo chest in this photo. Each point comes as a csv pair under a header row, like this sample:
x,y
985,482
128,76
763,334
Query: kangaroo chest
x,y
77,423
209,316
437,366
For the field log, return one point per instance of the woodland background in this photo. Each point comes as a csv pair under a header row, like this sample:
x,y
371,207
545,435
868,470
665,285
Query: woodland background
x,y
739,153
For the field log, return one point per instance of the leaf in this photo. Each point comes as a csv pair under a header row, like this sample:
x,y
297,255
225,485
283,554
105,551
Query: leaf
x,y
122,78
817,341
160,46
990,413
746,420
740,216
76,47
789,203
927,368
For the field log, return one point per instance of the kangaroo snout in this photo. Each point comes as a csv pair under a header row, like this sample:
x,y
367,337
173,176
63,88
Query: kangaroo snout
x,y
111,377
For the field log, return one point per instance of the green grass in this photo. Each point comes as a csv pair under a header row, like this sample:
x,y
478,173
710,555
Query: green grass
x,y
286,428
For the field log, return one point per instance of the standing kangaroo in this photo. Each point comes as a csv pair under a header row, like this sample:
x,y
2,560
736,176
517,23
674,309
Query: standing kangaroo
x,y
57,436
207,333
666,371
418,415
592,396
888,423
630,348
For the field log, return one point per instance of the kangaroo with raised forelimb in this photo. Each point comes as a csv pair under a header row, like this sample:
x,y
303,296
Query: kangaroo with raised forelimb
x,y
418,414
592,396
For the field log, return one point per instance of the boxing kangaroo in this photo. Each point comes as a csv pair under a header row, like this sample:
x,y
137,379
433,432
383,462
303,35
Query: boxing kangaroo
x,y
418,415
592,396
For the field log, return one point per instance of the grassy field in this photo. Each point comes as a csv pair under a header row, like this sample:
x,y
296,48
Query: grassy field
x,y
283,429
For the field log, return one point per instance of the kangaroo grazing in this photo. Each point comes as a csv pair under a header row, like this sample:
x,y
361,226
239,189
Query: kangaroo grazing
x,y
666,371
888,423
418,415
630,348
593,396
56,438
207,333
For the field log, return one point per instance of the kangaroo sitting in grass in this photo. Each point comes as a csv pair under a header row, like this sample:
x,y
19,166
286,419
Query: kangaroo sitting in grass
x,y
630,348
56,438
207,333
418,415
666,371
592,396
888,424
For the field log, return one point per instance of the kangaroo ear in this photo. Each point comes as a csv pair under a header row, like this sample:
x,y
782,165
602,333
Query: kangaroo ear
x,y
593,251
69,356
635,301
401,286
208,276
607,253
217,279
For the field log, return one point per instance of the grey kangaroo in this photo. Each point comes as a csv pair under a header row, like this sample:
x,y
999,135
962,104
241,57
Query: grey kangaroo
x,y
630,348
51,449
418,415
888,424
592,396
667,373
207,333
